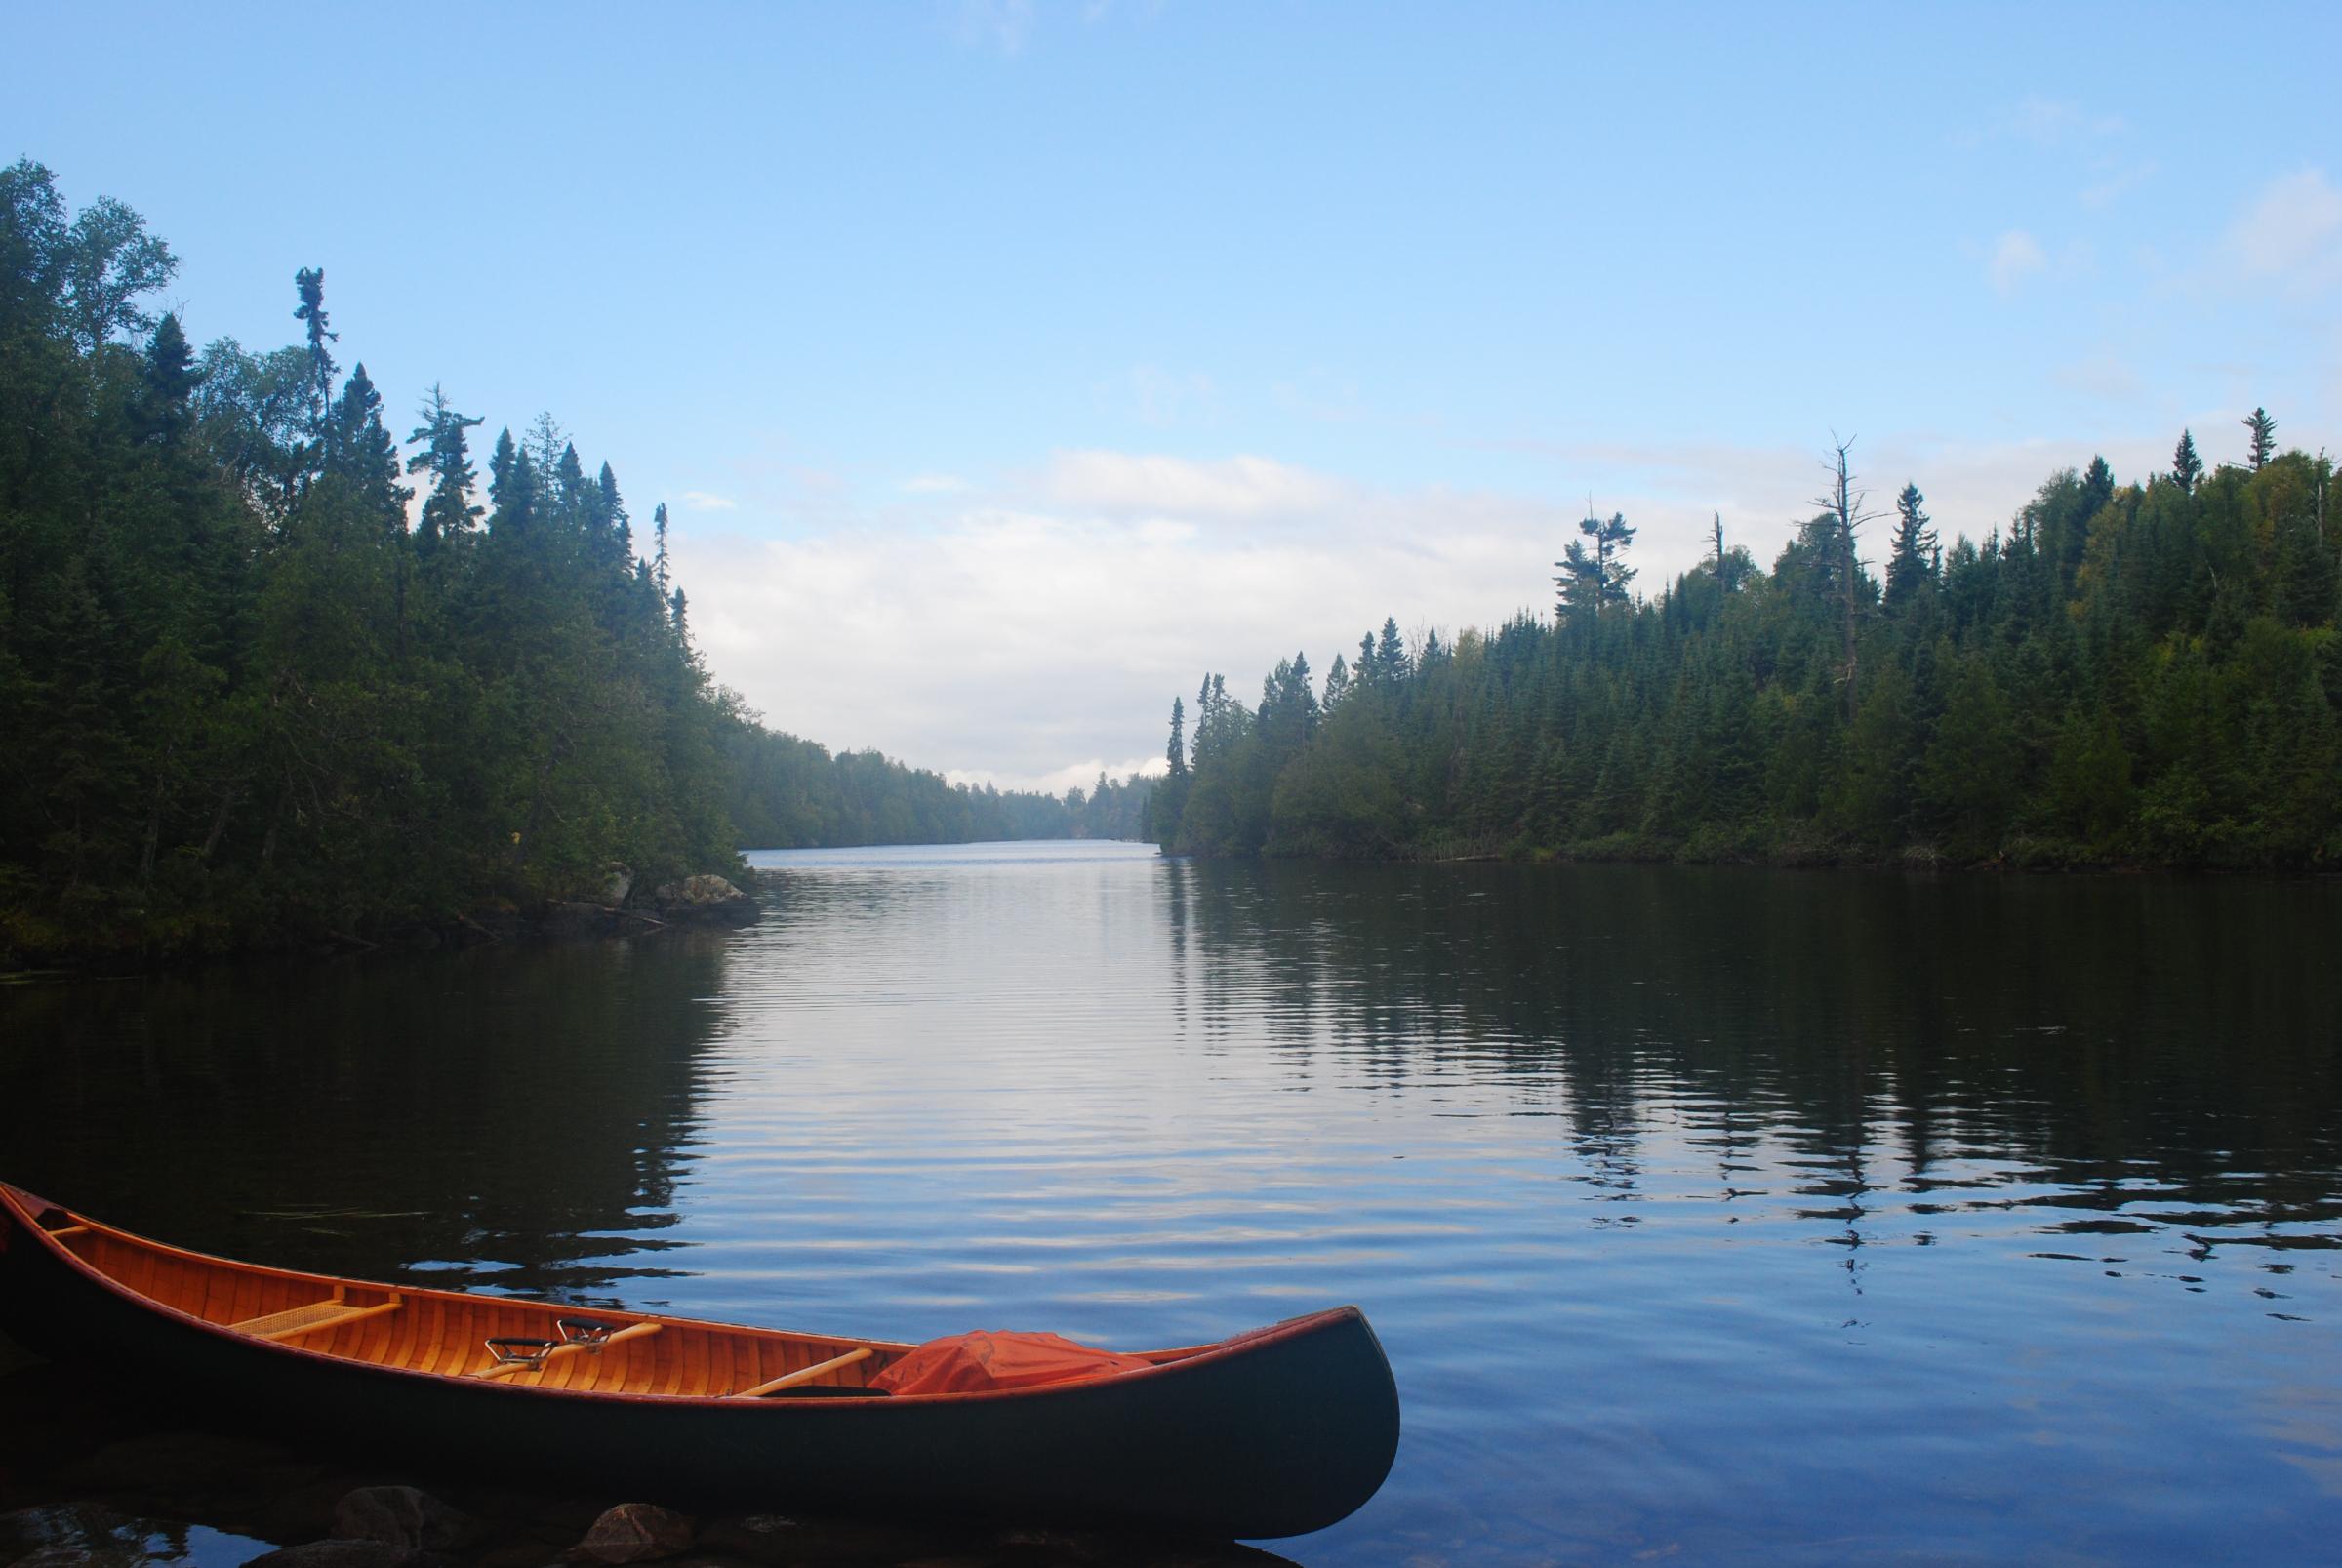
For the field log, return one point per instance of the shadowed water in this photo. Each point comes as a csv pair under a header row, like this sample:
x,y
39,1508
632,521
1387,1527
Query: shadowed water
x,y
1719,1215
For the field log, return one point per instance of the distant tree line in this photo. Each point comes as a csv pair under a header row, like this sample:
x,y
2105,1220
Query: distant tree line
x,y
791,793
253,694
2133,673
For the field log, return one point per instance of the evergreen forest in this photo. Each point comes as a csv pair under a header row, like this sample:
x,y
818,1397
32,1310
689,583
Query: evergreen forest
x,y
2139,672
271,674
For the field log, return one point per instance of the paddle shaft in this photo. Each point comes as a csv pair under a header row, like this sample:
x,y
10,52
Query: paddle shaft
x,y
790,1380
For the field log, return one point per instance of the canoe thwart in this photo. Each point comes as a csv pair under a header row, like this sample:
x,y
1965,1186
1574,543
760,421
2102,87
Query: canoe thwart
x,y
790,1380
529,1355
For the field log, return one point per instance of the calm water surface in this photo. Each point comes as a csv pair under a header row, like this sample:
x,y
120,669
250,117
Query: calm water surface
x,y
1706,1214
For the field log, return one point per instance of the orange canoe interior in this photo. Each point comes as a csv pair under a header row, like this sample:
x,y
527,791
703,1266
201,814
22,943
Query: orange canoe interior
x,y
447,1332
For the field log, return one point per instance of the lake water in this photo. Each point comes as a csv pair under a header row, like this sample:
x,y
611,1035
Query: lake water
x,y
1707,1216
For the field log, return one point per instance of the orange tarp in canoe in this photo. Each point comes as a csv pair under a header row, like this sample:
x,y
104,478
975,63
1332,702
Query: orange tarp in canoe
x,y
978,1362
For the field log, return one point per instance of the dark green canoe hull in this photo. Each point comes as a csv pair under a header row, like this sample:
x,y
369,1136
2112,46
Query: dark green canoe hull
x,y
1274,1433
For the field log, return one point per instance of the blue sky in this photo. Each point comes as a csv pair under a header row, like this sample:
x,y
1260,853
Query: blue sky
x,y
1007,366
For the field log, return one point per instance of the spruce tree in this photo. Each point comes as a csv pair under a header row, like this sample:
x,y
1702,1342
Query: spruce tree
x,y
1390,660
169,380
448,511
1337,684
309,283
1176,753
1911,567
618,542
363,453
2098,486
2185,467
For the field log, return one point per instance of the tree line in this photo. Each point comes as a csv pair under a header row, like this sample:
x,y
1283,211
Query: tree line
x,y
2142,673
266,677
793,793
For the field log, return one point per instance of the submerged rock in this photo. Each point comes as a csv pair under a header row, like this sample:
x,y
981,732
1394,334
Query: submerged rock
x,y
178,1466
347,1555
403,1516
575,917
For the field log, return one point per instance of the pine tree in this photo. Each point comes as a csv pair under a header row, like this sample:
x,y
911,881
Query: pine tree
x,y
2264,437
1592,577
659,573
1176,753
2185,467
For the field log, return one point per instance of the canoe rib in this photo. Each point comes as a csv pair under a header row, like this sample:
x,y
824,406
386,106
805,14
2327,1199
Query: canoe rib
x,y
1280,1431
294,1321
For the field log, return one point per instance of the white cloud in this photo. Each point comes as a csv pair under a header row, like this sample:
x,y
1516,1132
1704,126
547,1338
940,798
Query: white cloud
x,y
1166,397
1001,640
2016,256
2115,182
1128,483
1081,775
700,500
2046,122
1003,24
2105,376
2292,232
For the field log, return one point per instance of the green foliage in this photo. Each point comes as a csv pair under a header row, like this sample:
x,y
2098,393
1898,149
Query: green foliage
x,y
2145,673
248,704
793,793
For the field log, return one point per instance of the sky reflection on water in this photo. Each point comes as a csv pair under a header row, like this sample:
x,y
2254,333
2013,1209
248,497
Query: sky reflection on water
x,y
1722,1214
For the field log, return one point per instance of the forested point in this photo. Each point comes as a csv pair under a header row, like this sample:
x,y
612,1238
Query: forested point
x,y
2134,674
254,696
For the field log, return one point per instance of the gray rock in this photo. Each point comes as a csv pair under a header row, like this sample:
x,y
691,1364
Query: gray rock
x,y
705,899
635,1532
616,882
402,1517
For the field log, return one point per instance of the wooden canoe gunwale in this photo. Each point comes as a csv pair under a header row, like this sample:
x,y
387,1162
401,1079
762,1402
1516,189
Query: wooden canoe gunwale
x,y
1276,1433
1168,1361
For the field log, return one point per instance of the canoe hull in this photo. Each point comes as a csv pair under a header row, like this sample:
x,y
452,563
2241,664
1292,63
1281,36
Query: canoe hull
x,y
1274,1434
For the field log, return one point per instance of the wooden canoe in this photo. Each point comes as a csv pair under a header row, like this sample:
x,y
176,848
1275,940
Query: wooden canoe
x,y
1274,1433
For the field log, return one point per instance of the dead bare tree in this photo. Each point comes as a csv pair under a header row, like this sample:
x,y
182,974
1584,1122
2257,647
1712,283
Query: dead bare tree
x,y
1847,505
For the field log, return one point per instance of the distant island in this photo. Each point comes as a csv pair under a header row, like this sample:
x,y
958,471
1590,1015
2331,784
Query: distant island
x,y
2141,674
255,700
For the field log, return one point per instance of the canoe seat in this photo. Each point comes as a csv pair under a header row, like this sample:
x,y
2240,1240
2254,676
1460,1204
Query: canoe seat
x,y
309,1317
